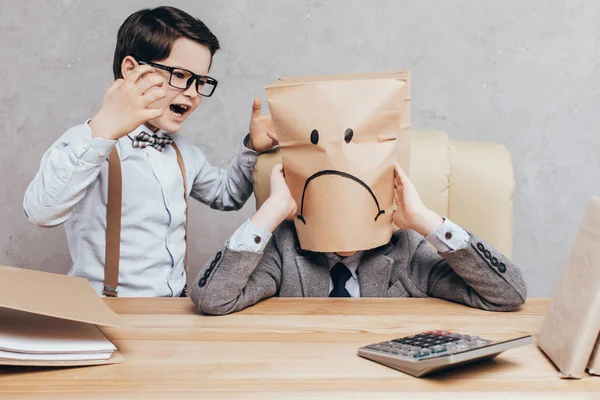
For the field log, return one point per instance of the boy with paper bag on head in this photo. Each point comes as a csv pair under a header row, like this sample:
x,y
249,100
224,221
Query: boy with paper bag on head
x,y
327,228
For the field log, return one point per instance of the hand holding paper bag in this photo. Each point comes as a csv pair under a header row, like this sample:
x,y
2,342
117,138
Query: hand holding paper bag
x,y
411,213
279,206
261,129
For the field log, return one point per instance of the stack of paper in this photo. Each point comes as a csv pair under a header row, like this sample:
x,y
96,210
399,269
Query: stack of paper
x,y
26,336
53,320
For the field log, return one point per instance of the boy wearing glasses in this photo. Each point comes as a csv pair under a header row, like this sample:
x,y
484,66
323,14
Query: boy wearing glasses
x,y
120,181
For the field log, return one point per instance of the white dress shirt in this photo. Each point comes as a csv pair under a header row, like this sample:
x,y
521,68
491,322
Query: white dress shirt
x,y
448,237
70,188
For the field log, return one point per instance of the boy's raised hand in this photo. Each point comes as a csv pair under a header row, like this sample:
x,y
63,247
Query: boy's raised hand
x,y
125,105
410,211
279,206
262,131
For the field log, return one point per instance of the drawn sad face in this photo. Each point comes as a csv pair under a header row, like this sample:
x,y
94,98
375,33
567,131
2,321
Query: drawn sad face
x,y
339,139
375,209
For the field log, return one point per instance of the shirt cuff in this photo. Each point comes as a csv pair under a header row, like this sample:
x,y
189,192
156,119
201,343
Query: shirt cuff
x,y
448,237
247,155
91,150
249,237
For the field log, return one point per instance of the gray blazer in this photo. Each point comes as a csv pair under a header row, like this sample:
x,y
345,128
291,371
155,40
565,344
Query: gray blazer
x,y
478,275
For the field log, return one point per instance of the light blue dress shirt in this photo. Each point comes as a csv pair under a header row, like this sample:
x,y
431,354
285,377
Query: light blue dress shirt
x,y
70,188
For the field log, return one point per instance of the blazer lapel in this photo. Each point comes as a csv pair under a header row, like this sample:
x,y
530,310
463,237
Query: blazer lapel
x,y
374,274
314,278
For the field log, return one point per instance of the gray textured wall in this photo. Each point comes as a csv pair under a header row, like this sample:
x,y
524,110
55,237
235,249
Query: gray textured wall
x,y
522,73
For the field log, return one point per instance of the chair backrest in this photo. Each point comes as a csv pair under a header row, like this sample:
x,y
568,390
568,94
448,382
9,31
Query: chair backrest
x,y
472,183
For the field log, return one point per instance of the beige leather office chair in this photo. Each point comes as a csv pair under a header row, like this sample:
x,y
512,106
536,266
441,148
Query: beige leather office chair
x,y
472,183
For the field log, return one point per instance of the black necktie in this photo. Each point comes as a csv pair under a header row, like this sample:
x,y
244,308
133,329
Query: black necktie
x,y
339,275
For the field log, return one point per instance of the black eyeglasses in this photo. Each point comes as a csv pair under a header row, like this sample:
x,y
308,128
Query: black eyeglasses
x,y
182,79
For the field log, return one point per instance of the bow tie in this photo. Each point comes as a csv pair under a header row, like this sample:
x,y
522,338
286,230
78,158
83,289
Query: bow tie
x,y
144,139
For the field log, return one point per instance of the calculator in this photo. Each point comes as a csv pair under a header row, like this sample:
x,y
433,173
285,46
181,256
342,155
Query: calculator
x,y
427,352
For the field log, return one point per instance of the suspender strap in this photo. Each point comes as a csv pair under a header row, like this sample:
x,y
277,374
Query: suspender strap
x,y
185,195
113,225
113,221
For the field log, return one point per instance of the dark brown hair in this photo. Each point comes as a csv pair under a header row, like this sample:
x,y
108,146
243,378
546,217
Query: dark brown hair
x,y
149,35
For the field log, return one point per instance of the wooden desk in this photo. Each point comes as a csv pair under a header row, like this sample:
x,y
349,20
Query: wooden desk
x,y
297,348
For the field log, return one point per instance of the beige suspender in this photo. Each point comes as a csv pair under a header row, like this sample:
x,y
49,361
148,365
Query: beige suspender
x,y
185,194
113,225
113,221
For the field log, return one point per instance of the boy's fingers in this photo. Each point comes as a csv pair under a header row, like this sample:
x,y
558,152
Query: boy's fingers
x,y
153,95
273,137
152,113
401,174
399,170
256,108
397,181
277,168
114,86
277,173
149,82
137,73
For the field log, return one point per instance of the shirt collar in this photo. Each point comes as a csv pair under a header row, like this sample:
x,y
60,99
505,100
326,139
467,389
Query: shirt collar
x,y
351,262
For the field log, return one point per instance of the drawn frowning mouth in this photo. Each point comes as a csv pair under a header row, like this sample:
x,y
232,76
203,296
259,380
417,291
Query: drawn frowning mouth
x,y
343,175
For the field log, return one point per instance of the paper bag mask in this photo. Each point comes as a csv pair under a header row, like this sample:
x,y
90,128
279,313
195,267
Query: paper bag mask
x,y
340,137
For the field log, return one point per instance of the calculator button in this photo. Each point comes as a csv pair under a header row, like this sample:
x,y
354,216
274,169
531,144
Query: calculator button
x,y
452,349
438,350
422,354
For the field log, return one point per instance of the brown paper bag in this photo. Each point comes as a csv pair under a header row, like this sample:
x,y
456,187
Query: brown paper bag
x,y
340,137
571,326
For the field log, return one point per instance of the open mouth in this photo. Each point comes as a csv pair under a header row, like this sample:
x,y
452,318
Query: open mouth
x,y
179,109
342,175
